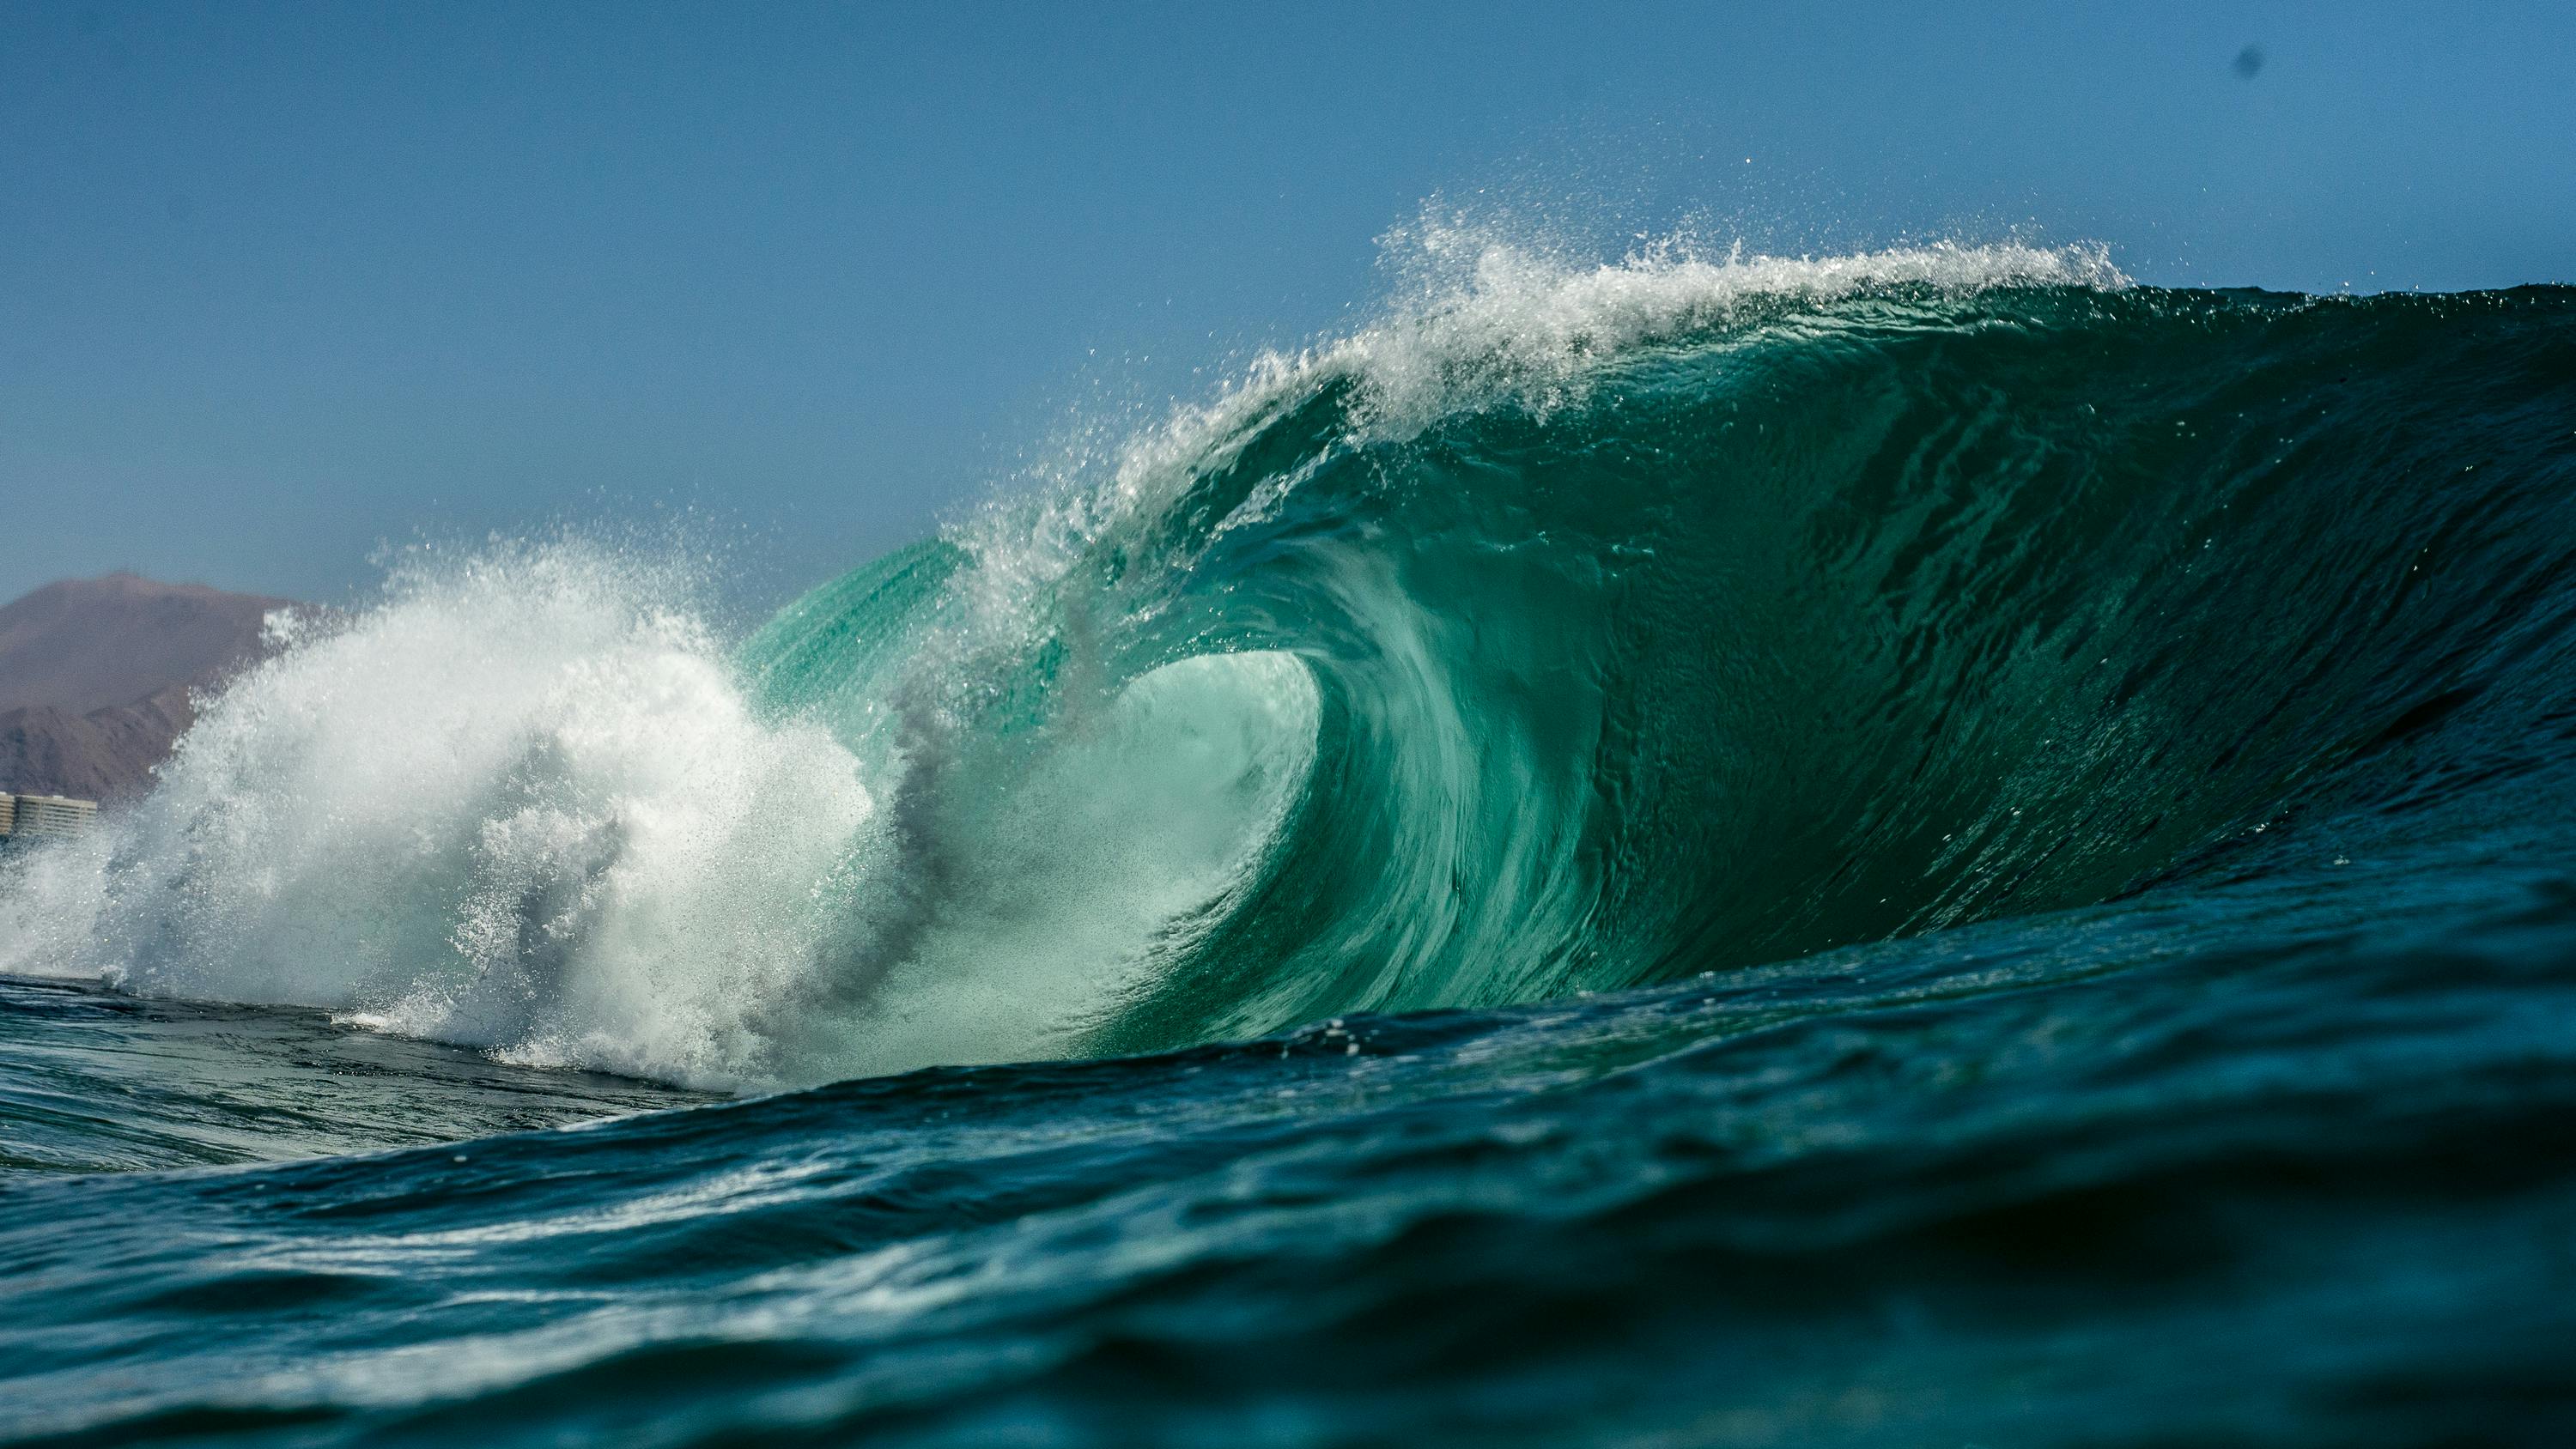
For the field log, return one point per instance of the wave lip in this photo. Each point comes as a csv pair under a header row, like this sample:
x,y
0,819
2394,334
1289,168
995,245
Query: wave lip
x,y
1480,318
1487,319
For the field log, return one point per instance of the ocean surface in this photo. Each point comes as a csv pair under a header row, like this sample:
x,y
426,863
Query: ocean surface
x,y
1922,848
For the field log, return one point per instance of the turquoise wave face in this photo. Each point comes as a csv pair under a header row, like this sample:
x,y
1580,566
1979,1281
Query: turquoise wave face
x,y
1795,624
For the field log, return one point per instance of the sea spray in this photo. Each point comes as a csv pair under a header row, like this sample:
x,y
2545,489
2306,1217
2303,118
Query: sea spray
x,y
518,803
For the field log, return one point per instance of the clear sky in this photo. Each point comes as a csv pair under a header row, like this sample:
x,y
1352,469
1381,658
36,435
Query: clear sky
x,y
278,282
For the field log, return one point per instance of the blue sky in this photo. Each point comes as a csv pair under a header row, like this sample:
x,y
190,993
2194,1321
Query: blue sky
x,y
280,282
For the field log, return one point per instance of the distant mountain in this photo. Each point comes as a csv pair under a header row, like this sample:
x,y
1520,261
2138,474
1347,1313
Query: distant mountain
x,y
84,644
95,674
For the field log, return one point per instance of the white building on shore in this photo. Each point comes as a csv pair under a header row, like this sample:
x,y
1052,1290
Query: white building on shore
x,y
45,815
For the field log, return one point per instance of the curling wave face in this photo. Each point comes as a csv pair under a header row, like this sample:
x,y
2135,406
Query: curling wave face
x,y
1574,627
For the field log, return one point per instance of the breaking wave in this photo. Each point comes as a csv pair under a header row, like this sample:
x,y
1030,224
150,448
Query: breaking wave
x,y
1571,627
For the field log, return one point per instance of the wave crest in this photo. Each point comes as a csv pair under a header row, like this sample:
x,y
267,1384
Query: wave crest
x,y
1573,626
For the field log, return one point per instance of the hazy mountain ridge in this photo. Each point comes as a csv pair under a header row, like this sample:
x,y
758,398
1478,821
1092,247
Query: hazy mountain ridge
x,y
95,676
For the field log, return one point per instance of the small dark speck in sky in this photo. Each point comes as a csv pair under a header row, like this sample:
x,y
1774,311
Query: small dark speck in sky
x,y
2249,62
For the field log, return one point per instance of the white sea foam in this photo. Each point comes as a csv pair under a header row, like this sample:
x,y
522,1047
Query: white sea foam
x,y
518,804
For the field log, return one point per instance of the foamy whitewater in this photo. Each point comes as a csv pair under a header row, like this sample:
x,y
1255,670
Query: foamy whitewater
x,y
1926,847
518,803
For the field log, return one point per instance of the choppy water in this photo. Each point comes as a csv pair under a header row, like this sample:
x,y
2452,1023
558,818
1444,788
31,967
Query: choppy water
x,y
1920,848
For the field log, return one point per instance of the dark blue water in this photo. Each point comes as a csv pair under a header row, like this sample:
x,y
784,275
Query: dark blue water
x,y
1945,860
